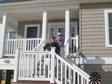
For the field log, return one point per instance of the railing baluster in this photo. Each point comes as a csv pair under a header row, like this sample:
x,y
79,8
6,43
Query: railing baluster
x,y
57,70
69,76
77,78
61,72
24,65
65,74
74,79
36,65
49,65
40,66
44,66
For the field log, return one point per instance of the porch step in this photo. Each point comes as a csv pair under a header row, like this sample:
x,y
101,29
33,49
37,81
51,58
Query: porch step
x,y
30,82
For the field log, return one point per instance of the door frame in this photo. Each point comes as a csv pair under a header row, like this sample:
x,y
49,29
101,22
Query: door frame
x,y
31,25
61,24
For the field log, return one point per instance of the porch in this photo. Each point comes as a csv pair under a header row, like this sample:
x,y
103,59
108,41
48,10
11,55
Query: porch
x,y
30,30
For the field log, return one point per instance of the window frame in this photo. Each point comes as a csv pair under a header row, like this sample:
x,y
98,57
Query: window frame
x,y
32,25
107,28
9,33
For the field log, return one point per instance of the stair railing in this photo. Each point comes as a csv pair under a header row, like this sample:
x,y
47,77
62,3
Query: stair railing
x,y
47,66
67,72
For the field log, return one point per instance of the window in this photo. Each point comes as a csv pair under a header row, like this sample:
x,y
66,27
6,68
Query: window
x,y
72,32
52,32
32,31
11,35
108,27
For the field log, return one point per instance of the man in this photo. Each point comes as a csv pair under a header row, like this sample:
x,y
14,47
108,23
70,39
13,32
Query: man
x,y
52,43
60,40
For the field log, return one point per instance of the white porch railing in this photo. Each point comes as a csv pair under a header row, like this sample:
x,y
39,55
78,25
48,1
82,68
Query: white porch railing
x,y
47,66
22,44
73,47
73,50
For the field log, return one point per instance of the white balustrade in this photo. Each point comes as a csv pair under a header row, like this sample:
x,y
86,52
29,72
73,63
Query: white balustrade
x,y
68,73
21,44
73,46
48,66
34,66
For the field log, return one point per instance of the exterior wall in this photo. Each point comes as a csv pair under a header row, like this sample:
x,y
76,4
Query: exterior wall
x,y
92,30
21,25
92,39
104,70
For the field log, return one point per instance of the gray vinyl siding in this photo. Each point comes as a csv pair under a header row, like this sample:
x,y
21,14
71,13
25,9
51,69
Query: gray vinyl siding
x,y
92,30
104,70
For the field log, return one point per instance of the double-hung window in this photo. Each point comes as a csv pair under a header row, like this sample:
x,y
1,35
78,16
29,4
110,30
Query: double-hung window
x,y
108,27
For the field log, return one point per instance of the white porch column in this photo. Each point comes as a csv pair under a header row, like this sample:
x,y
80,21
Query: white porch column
x,y
67,30
44,25
2,34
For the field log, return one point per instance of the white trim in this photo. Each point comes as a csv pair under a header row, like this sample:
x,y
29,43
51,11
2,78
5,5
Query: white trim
x,y
97,60
31,25
44,25
7,64
2,34
107,28
38,7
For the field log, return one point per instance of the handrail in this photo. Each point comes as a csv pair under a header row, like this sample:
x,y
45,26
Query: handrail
x,y
40,46
66,72
70,63
25,39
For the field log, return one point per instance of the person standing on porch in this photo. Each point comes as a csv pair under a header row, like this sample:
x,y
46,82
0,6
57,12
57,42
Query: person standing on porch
x,y
61,44
52,43
60,40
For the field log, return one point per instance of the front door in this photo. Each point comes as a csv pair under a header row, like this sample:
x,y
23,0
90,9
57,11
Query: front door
x,y
55,29
60,27
32,31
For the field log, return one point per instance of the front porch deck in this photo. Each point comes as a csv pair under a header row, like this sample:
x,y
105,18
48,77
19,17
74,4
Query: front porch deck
x,y
36,44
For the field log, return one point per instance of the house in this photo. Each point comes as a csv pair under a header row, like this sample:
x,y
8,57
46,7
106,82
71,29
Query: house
x,y
26,26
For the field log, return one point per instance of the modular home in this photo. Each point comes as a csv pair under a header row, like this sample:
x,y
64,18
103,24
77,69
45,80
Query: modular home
x,y
27,25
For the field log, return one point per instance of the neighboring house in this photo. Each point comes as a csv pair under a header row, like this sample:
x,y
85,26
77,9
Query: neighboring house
x,y
86,27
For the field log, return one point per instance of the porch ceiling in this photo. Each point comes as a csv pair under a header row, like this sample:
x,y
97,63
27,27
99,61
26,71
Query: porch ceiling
x,y
37,15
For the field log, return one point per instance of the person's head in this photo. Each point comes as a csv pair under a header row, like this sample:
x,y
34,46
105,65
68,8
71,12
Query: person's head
x,y
59,36
52,40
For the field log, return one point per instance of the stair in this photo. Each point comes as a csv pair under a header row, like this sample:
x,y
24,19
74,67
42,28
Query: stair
x,y
47,66
23,82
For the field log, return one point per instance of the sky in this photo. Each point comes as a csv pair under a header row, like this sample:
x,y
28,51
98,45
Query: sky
x,y
1,0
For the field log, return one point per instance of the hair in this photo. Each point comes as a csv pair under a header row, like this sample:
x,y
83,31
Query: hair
x,y
53,37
